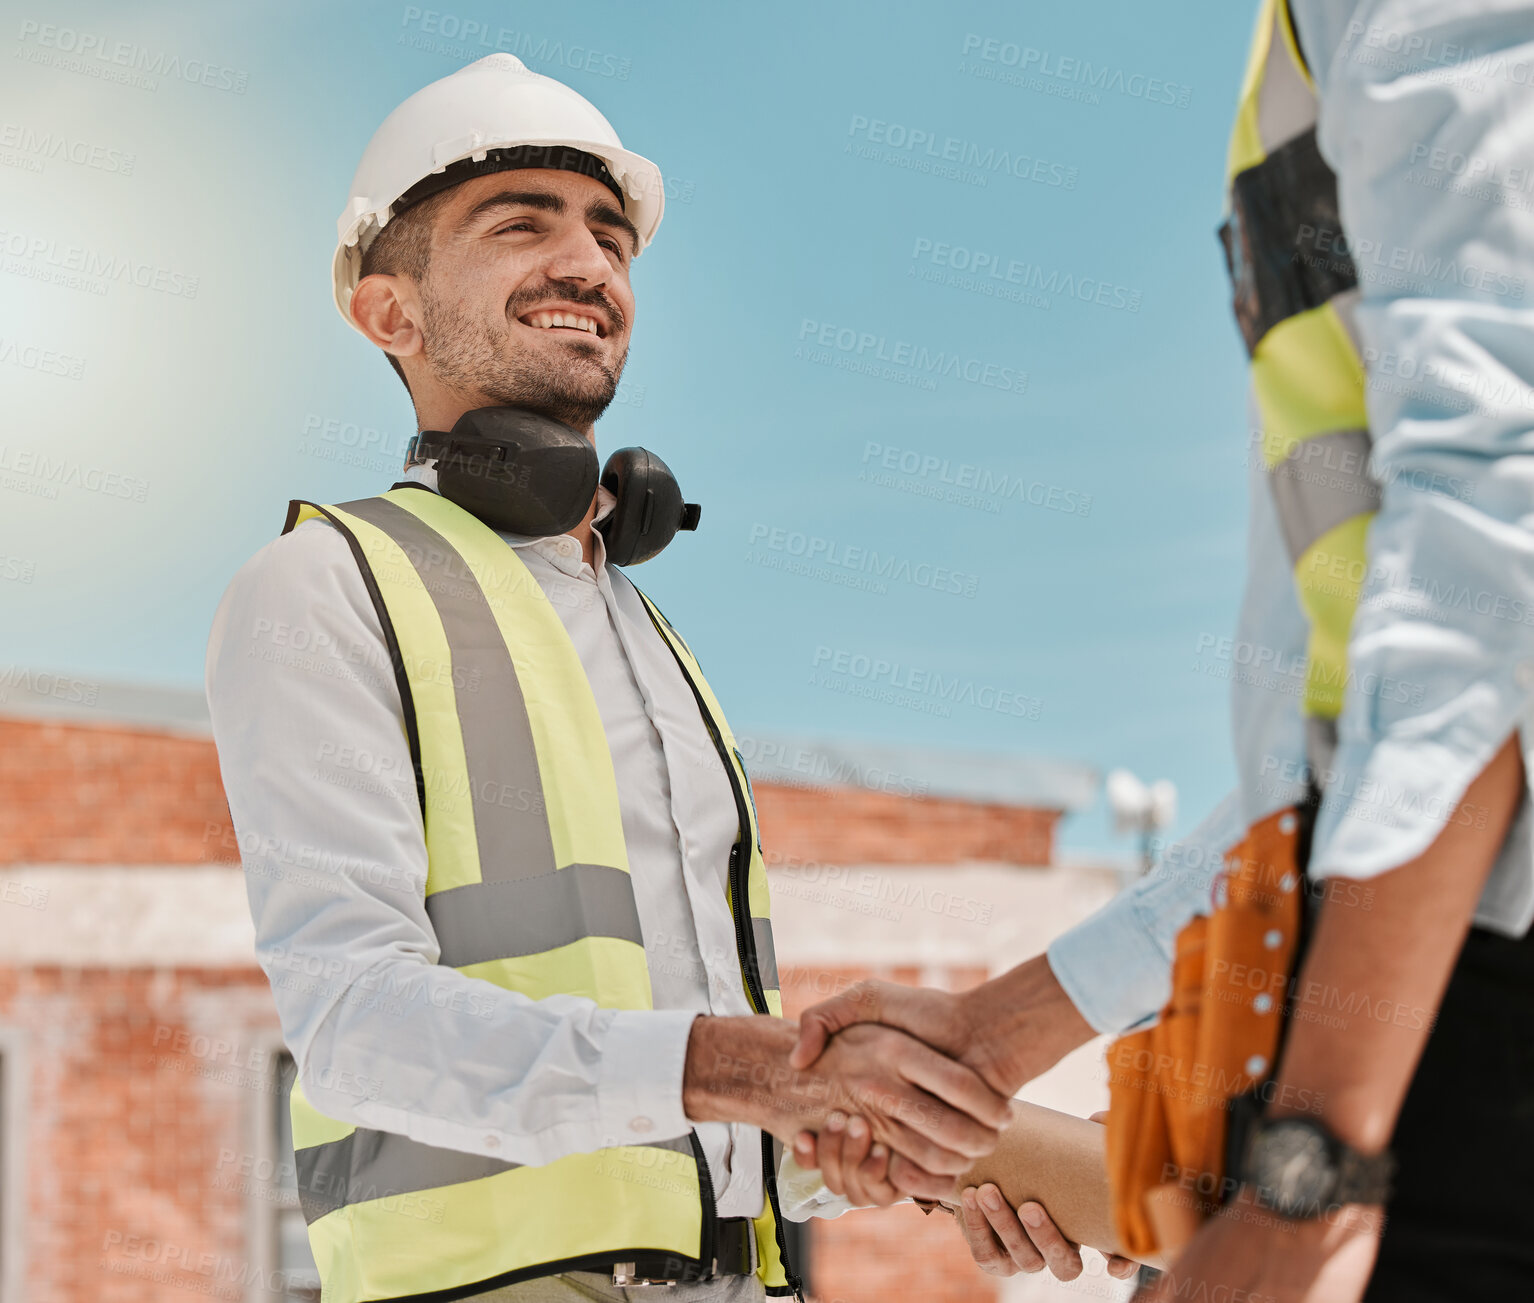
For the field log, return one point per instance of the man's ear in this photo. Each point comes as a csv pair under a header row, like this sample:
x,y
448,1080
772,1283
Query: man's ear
x,y
387,310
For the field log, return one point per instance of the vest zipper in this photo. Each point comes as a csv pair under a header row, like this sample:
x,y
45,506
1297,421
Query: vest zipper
x,y
708,1249
745,940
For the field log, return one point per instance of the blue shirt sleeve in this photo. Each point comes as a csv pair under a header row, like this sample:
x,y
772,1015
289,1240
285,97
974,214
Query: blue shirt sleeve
x,y
1427,117
1116,966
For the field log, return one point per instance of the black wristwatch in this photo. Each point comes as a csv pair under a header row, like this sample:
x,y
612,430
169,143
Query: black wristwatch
x,y
1295,1167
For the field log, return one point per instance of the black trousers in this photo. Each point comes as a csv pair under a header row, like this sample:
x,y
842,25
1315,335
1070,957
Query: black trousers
x,y
1460,1225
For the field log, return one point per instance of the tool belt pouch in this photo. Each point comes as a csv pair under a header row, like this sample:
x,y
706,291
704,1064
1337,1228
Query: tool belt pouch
x,y
1172,1086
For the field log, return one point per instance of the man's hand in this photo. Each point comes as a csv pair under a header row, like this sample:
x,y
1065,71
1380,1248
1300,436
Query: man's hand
x,y
937,1114
1246,1252
1008,1030
1003,1242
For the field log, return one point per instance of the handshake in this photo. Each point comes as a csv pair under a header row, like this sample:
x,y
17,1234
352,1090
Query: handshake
x,y
896,1091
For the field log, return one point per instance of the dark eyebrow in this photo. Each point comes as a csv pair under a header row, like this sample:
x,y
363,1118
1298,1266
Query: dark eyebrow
x,y
600,212
604,214
510,199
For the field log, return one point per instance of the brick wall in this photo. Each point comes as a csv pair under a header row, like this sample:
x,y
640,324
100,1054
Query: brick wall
x,y
77,794
92,795
852,826
142,1082
141,1085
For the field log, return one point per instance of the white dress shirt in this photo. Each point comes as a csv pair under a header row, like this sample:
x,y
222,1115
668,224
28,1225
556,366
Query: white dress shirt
x,y
312,748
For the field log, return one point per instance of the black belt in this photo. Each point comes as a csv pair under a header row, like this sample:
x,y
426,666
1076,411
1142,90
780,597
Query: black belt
x,y
734,1240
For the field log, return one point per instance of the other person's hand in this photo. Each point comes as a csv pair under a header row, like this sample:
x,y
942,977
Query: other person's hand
x,y
1004,1242
851,1162
938,1115
1007,1030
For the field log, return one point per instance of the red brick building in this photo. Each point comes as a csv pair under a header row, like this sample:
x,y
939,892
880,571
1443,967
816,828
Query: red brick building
x,y
142,1143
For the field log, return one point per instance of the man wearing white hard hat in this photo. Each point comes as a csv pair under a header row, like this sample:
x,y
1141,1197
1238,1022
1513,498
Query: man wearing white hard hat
x,y
500,848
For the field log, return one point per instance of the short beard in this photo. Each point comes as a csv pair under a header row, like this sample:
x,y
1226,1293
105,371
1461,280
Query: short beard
x,y
471,357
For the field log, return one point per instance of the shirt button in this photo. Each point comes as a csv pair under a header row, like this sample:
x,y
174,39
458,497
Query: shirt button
x,y
641,1125
1286,824
1263,1003
1256,1066
492,1142
1525,674
1272,938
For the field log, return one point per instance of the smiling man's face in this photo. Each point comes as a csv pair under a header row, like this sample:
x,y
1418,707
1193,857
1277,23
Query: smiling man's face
x,y
526,298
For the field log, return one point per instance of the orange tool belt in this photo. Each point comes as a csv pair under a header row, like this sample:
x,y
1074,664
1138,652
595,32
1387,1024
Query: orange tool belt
x,y
1172,1086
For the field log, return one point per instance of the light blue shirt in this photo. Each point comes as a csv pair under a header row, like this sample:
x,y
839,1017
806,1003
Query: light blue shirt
x,y
1426,114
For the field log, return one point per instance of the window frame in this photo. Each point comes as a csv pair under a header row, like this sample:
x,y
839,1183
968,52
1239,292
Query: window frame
x,y
15,1085
265,1201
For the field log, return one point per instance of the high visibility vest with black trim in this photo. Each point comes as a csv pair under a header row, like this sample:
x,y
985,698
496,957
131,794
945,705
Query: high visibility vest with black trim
x,y
527,888
1295,289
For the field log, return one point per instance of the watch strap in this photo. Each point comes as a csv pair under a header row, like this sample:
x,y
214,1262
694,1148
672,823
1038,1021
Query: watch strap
x,y
1360,1178
1363,1178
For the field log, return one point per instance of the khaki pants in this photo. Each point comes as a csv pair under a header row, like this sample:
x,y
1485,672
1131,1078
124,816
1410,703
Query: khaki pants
x,y
588,1287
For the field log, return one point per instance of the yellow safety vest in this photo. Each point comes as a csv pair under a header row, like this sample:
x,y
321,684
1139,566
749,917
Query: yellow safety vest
x,y
1295,288
527,888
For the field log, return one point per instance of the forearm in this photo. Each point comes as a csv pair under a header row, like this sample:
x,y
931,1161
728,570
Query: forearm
x,y
424,1051
737,1071
1025,1023
1390,953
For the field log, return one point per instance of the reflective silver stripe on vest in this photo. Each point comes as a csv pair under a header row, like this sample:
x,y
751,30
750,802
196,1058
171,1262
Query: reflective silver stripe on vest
x,y
1345,305
500,920
513,835
370,1165
1323,482
1320,746
766,954
1286,106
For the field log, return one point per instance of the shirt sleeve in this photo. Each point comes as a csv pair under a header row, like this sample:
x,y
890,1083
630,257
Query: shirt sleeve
x,y
1116,966
802,1194
1427,117
311,744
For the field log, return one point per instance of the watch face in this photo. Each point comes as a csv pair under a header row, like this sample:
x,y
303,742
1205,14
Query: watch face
x,y
1292,1168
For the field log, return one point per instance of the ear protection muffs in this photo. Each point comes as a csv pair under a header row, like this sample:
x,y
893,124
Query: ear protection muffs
x,y
520,471
650,509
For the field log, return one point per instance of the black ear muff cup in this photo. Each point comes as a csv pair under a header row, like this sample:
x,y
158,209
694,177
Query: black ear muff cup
x,y
514,469
650,509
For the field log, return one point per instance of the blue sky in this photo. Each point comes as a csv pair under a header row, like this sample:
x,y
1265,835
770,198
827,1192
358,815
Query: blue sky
x,y
937,295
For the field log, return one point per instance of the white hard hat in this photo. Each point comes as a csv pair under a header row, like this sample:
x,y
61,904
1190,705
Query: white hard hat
x,y
492,104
